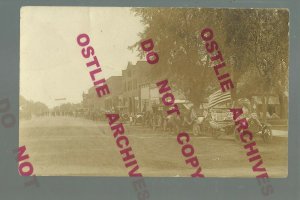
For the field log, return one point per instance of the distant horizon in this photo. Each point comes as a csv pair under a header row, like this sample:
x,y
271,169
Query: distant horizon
x,y
62,98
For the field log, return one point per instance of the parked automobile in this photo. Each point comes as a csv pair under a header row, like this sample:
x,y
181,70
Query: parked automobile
x,y
194,118
156,117
257,128
138,118
221,120
172,123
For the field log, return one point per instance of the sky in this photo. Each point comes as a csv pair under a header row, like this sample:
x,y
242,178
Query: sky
x,y
51,64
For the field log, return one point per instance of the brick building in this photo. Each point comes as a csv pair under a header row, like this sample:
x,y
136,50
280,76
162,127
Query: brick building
x,y
113,100
133,77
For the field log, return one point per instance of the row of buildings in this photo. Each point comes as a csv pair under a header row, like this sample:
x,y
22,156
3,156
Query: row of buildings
x,y
133,92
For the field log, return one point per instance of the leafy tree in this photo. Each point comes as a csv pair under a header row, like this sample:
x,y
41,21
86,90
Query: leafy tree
x,y
29,106
254,44
183,60
260,51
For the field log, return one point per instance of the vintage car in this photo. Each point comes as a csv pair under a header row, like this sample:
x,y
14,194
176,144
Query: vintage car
x,y
258,128
221,120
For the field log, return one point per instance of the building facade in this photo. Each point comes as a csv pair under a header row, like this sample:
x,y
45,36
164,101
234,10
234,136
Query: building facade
x,y
112,101
93,105
132,78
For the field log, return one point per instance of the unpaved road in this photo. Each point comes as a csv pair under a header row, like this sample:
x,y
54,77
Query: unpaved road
x,y
74,146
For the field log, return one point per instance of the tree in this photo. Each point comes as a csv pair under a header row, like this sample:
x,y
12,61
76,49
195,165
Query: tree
x,y
36,108
260,50
182,57
254,43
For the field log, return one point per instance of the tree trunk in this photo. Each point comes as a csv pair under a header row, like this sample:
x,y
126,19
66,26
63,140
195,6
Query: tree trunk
x,y
265,101
283,110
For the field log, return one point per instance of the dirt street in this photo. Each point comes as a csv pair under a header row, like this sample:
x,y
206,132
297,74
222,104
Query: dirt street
x,y
75,146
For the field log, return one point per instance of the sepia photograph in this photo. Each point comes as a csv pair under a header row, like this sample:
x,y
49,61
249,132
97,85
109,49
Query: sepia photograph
x,y
154,92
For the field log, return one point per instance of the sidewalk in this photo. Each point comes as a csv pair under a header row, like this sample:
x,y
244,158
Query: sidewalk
x,y
279,133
